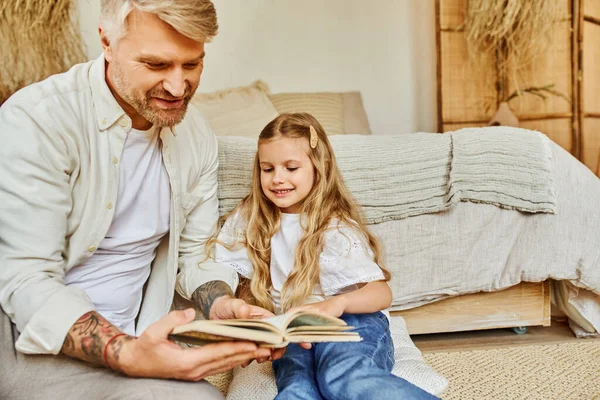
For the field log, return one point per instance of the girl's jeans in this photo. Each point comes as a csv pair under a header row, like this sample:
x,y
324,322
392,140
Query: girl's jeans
x,y
350,370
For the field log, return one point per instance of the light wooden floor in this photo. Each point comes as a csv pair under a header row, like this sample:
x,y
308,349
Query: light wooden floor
x,y
558,332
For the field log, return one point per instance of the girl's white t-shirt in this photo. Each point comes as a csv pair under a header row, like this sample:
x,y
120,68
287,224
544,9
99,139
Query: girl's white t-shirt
x,y
141,220
346,260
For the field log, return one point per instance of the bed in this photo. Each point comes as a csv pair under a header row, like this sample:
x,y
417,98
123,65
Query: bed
x,y
465,267
518,307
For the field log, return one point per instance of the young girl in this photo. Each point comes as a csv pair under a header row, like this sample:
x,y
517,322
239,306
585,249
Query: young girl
x,y
298,238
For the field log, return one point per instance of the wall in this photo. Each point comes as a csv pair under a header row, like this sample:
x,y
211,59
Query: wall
x,y
383,48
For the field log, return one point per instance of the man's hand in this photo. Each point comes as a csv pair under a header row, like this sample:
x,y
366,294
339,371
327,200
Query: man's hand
x,y
205,296
226,307
154,355
216,301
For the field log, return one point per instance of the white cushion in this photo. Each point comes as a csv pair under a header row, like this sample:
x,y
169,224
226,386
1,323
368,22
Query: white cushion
x,y
257,381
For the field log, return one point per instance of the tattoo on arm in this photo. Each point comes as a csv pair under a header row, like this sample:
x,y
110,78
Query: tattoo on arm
x,y
88,336
206,294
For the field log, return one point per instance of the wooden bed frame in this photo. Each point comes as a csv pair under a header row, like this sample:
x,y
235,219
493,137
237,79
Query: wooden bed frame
x,y
520,306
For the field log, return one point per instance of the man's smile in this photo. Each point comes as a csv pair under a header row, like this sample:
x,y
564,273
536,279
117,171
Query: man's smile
x,y
164,103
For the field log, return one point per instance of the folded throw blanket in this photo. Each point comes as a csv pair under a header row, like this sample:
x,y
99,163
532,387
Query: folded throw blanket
x,y
398,176
507,167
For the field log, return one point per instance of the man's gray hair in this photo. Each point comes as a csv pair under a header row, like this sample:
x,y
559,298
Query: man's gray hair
x,y
195,19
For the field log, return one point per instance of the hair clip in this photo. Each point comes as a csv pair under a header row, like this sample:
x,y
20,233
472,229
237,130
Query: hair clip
x,y
313,137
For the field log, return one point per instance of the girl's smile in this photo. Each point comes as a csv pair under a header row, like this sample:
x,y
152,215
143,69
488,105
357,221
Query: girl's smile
x,y
281,192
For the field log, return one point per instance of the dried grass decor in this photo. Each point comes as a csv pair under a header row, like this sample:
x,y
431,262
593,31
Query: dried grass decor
x,y
514,32
38,38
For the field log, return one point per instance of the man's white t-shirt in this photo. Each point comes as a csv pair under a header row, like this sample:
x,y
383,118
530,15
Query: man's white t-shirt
x,y
114,276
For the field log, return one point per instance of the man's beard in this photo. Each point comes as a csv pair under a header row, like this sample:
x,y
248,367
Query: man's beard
x,y
142,103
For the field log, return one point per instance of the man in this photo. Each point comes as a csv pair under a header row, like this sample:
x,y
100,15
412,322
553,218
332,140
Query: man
x,y
108,193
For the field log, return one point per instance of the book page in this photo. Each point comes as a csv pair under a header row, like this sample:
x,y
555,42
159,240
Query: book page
x,y
316,328
305,318
302,318
277,325
304,326
273,324
279,321
208,330
258,324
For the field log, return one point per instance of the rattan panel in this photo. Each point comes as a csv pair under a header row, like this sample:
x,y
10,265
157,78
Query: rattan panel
x,y
454,127
467,94
591,8
559,130
591,143
452,13
554,67
591,68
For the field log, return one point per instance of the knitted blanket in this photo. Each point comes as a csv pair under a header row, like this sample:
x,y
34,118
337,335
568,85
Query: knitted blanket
x,y
402,175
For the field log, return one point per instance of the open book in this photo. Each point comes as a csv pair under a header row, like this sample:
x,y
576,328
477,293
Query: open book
x,y
295,327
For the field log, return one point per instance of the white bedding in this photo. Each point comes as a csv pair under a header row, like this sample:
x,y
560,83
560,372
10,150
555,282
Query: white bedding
x,y
479,247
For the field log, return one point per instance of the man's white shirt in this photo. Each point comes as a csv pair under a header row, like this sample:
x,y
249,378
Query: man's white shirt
x,y
114,276
62,143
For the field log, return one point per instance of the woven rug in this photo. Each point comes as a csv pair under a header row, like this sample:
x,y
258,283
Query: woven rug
x,y
559,371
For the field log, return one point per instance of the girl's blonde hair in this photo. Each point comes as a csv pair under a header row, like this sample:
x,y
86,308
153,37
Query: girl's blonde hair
x,y
328,199
195,19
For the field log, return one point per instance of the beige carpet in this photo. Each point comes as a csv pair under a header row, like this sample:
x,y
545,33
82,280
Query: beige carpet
x,y
566,371
559,371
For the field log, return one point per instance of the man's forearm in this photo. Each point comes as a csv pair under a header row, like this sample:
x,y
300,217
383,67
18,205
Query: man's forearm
x,y
88,336
206,294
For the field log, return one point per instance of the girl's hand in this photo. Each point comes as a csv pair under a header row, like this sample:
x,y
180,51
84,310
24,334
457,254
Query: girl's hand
x,y
334,306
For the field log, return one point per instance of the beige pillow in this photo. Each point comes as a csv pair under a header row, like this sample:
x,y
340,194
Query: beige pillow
x,y
241,111
339,113
327,108
355,116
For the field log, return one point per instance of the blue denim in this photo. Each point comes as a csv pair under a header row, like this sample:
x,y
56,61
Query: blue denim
x,y
346,370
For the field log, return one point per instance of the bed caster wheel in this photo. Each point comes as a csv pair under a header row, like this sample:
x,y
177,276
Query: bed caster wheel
x,y
520,330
